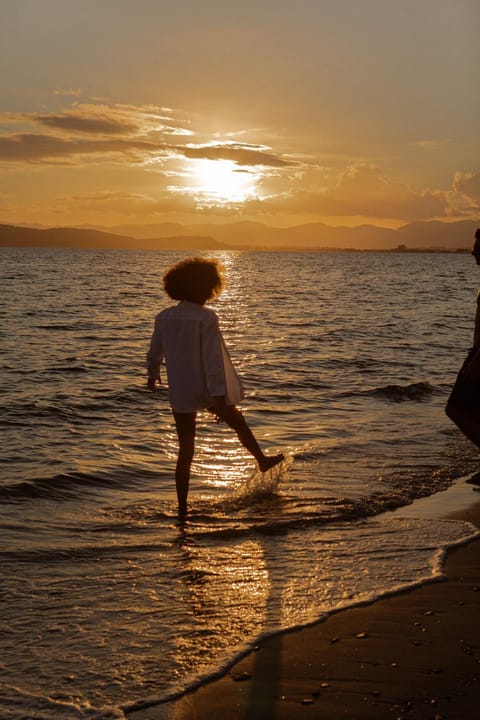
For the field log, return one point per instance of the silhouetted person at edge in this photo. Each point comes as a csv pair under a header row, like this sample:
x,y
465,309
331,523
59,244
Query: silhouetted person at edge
x,y
199,369
463,406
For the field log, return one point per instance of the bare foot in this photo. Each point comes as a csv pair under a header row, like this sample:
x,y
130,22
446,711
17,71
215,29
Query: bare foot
x,y
270,462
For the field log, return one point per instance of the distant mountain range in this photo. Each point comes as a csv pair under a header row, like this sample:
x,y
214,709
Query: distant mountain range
x,y
70,237
432,235
426,235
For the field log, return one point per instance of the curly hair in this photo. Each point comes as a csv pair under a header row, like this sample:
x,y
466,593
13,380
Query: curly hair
x,y
195,279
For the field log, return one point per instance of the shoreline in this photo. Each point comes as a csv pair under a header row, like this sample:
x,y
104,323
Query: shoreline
x,y
414,654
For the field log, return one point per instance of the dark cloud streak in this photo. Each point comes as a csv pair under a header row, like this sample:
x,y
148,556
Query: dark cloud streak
x,y
240,154
35,147
31,147
93,125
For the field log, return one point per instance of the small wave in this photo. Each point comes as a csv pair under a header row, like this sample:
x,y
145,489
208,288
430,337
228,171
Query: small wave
x,y
399,393
18,704
54,326
87,552
61,406
73,485
213,519
68,369
20,411
311,454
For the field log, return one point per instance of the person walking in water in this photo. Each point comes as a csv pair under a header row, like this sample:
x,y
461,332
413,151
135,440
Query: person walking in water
x,y
200,372
463,406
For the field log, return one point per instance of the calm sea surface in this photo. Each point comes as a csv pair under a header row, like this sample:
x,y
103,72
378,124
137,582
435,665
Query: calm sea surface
x,y
105,600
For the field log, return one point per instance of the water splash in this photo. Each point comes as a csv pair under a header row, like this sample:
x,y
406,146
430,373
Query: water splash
x,y
261,484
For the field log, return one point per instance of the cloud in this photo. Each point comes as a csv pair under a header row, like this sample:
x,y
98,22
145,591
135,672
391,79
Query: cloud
x,y
142,133
78,123
31,147
241,154
131,204
137,132
468,184
293,184
100,118
89,129
362,190
364,185
464,197
67,93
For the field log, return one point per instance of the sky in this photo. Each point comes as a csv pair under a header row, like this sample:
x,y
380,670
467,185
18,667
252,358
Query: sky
x,y
345,112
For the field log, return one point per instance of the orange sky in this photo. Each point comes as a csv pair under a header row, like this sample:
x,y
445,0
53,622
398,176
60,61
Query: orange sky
x,y
143,111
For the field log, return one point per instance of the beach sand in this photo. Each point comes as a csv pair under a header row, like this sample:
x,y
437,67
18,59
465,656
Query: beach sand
x,y
415,655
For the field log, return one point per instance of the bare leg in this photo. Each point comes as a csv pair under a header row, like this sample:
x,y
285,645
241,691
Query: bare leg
x,y
185,424
234,419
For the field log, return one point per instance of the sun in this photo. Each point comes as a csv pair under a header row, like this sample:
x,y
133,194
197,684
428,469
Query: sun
x,y
221,182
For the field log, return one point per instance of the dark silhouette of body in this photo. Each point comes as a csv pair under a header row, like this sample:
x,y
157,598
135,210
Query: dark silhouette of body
x,y
199,369
463,406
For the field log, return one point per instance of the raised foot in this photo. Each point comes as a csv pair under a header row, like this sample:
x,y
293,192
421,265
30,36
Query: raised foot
x,y
271,461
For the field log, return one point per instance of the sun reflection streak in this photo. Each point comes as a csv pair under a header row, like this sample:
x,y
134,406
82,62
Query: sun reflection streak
x,y
226,590
220,458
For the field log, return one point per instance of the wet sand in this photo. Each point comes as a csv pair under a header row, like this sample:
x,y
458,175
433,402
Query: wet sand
x,y
415,655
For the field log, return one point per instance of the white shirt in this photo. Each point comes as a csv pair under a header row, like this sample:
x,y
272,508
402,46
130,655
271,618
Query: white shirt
x,y
199,366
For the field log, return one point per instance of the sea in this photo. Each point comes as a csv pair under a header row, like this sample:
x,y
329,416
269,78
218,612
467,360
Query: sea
x,y
108,601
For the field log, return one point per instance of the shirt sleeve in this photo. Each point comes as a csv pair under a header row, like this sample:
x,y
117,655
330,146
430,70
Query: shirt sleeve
x,y
212,357
155,352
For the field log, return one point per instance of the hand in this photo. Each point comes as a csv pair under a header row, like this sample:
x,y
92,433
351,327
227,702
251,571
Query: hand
x,y
219,408
152,383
